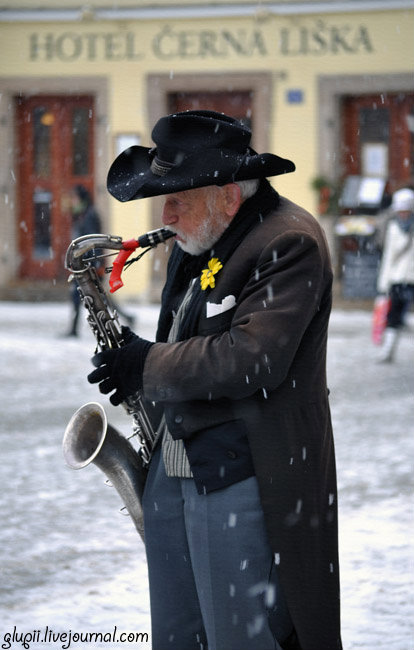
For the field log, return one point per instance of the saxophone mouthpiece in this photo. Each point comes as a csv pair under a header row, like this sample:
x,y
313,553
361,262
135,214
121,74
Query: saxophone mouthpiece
x,y
155,237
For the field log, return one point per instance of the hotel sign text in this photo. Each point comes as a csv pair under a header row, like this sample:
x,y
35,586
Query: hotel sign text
x,y
172,43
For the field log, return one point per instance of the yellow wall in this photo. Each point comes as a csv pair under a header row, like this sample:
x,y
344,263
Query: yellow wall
x,y
295,50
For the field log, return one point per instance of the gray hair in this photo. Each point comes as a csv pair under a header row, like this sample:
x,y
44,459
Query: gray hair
x,y
248,188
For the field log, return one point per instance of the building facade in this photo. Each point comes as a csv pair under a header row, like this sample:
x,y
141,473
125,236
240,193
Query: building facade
x,y
327,84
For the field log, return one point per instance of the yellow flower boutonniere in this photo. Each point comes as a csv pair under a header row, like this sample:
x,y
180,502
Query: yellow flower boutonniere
x,y
207,275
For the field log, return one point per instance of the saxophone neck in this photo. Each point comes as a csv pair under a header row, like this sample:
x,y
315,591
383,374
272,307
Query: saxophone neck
x,y
79,247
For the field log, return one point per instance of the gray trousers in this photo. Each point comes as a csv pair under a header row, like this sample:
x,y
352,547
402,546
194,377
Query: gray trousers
x,y
213,582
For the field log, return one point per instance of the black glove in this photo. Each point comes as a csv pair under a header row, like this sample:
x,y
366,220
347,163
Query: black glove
x,y
121,369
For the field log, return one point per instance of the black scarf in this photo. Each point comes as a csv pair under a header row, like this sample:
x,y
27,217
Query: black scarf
x,y
182,267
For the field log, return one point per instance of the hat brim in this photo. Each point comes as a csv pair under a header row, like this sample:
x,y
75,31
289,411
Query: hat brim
x,y
130,176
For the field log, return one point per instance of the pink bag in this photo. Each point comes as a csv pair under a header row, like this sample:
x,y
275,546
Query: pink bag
x,y
382,306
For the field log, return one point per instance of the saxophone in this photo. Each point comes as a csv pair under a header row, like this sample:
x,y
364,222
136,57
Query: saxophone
x,y
88,436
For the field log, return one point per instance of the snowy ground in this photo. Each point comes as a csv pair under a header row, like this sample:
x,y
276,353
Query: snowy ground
x,y
70,563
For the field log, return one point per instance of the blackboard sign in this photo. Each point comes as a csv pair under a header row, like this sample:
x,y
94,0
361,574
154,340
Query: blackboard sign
x,y
360,272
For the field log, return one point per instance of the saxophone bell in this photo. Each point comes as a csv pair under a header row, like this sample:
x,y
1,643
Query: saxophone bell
x,y
89,438
84,435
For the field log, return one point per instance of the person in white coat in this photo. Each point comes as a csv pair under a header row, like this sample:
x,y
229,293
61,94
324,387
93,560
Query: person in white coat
x,y
396,274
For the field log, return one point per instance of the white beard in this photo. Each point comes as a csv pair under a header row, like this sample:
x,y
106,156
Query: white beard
x,y
208,232
205,238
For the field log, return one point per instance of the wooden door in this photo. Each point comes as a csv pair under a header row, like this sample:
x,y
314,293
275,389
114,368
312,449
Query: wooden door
x,y
54,153
377,139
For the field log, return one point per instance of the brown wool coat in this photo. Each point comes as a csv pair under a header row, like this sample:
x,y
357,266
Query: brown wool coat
x,y
264,361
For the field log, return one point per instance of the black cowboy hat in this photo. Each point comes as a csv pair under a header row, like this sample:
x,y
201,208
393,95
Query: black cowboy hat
x,y
193,149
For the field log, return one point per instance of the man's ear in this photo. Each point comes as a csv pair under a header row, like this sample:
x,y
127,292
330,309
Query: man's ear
x,y
233,199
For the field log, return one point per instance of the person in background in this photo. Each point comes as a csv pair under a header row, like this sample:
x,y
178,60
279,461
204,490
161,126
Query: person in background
x,y
240,505
396,274
86,221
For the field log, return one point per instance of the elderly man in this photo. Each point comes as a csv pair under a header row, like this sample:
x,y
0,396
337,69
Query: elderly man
x,y
240,502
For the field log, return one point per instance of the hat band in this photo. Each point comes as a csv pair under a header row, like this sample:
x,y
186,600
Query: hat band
x,y
160,167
